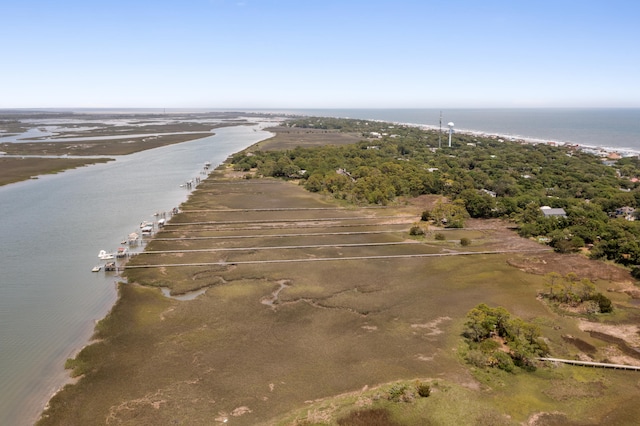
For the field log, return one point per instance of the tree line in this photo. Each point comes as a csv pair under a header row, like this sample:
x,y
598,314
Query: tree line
x,y
483,177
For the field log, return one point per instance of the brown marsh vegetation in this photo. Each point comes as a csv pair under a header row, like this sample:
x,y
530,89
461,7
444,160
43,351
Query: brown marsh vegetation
x,y
13,169
316,313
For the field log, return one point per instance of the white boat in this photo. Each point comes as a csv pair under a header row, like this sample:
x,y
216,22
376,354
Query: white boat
x,y
122,252
145,223
103,255
96,268
161,222
147,230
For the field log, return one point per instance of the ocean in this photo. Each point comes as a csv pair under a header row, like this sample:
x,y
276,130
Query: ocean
x,y
607,128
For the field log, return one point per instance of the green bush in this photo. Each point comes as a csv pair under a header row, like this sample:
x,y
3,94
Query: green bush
x,y
503,361
488,346
464,241
604,303
416,230
439,236
423,389
400,393
477,358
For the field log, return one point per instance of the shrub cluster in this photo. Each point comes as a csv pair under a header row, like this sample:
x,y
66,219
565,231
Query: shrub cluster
x,y
402,392
424,390
496,339
416,231
571,290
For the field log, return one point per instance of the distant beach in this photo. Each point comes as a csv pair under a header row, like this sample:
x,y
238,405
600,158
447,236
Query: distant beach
x,y
609,129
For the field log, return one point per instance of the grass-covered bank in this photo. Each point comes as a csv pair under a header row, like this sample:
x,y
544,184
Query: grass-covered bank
x,y
309,341
14,169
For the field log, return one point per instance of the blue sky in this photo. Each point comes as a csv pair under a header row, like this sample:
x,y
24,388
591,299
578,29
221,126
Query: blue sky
x,y
319,54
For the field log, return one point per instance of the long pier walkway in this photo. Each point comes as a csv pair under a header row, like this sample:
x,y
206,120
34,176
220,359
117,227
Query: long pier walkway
x,y
320,259
592,364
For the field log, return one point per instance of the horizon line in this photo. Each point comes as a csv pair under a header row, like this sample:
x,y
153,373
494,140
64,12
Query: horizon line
x,y
231,109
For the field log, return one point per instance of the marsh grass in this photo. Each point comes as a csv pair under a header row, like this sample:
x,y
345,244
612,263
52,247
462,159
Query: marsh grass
x,y
367,417
289,138
283,341
14,169
448,404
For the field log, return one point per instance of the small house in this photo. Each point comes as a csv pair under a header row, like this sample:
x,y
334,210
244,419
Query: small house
x,y
553,212
626,212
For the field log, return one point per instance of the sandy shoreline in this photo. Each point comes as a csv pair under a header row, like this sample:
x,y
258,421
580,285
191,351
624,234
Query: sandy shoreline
x,y
592,149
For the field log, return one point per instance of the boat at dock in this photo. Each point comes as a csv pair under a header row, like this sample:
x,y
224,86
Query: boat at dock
x,y
96,268
103,255
122,252
133,238
111,266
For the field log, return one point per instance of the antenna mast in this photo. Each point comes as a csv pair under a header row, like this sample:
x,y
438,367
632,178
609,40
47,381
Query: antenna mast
x,y
440,133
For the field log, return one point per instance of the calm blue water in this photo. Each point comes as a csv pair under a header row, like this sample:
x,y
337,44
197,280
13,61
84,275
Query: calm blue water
x,y
51,230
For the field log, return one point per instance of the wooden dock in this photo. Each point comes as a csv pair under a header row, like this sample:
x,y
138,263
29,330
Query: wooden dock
x,y
592,364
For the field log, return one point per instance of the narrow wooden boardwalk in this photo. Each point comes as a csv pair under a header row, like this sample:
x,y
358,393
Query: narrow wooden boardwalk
x,y
301,234
325,259
592,364
253,221
213,250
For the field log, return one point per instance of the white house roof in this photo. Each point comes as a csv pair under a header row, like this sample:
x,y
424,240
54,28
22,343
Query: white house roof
x,y
549,212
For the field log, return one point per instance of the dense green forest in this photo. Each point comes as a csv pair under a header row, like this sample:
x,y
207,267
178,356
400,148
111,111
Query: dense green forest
x,y
483,177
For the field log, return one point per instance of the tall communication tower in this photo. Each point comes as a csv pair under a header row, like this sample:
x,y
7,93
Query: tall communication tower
x,y
440,133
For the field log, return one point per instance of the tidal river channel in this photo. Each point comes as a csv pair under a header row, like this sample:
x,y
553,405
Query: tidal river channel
x,y
51,230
